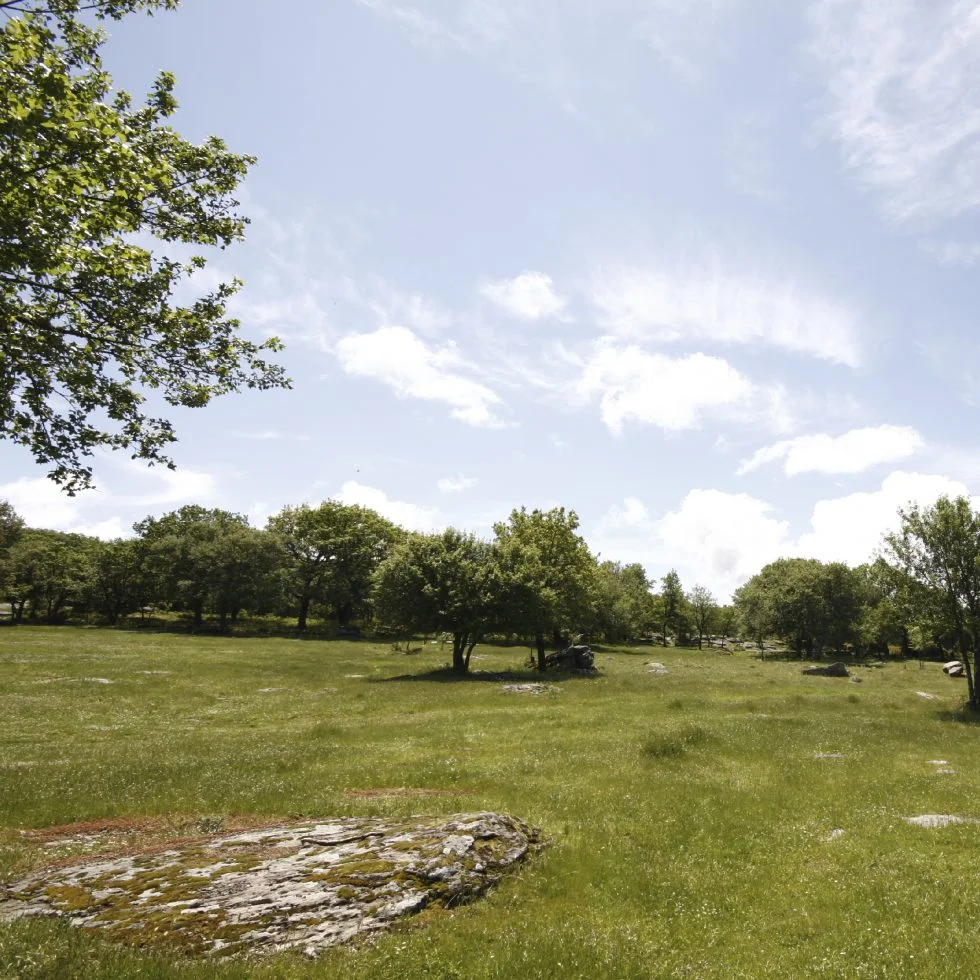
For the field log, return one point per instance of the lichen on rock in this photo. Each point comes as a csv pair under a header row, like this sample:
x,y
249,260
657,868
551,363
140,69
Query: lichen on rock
x,y
305,886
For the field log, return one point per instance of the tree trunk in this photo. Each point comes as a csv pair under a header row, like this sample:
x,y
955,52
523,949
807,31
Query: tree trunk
x,y
539,641
304,611
699,640
970,677
198,616
460,661
345,613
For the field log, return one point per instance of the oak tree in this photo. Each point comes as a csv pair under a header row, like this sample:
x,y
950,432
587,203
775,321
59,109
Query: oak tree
x,y
93,190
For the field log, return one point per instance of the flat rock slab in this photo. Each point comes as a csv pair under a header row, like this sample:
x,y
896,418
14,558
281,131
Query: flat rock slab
x,y
303,887
528,688
933,820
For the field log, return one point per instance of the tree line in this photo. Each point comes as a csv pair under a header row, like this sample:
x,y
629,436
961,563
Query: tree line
x,y
535,579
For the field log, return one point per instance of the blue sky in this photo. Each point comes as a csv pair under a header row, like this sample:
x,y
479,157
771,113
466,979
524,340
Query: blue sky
x,y
703,270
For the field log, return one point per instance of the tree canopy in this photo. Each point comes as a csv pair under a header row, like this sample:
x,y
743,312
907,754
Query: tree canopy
x,y
332,551
938,549
443,583
553,573
91,187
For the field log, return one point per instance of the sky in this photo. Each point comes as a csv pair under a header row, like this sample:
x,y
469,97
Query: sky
x,y
704,271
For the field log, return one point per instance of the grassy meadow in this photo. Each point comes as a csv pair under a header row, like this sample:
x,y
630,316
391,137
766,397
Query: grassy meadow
x,y
731,818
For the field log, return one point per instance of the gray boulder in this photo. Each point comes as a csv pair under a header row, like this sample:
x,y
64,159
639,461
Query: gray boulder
x,y
954,668
300,886
578,656
827,670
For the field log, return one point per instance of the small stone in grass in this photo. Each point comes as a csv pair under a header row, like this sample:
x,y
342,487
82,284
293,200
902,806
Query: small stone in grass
x,y
933,820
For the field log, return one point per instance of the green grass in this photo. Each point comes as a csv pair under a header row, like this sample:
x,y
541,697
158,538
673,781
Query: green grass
x,y
689,817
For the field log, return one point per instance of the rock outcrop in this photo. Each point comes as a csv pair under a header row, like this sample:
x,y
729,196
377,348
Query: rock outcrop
x,y
578,656
303,887
827,670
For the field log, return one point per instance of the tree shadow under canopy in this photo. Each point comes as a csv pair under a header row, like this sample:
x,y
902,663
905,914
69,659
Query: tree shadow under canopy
x,y
446,675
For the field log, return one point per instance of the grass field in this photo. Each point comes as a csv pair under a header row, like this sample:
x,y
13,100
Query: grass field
x,y
690,815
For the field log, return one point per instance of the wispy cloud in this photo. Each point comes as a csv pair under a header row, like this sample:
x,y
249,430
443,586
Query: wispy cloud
x,y
852,452
751,169
456,484
559,44
961,254
397,357
272,435
670,302
903,84
529,296
470,25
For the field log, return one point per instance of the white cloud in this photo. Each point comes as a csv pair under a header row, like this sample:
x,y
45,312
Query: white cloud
x,y
179,486
726,537
41,504
407,515
529,296
674,393
850,528
722,539
456,484
398,358
852,452
903,82
704,303
632,517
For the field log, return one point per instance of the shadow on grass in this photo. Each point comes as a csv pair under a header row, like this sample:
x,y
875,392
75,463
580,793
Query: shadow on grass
x,y
849,660
960,716
446,675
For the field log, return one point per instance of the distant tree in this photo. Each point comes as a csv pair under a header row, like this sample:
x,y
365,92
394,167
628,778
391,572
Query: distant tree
x,y
625,608
209,560
11,528
332,551
887,617
120,581
552,571
47,572
672,596
702,604
442,583
752,605
938,549
808,604
92,191
725,619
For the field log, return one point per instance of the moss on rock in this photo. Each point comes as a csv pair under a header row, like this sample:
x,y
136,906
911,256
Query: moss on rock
x,y
298,887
